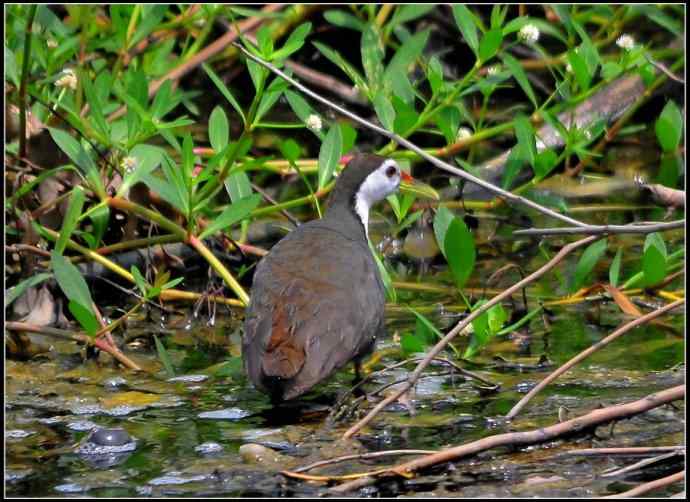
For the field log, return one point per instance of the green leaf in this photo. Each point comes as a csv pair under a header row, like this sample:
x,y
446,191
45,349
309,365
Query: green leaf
x,y
70,222
294,42
670,170
100,217
187,160
385,276
344,20
448,121
655,240
384,110
302,110
442,220
238,186
271,95
520,76
95,105
85,317
81,159
491,42
340,62
410,343
164,357
435,75
71,281
611,70
497,316
15,292
349,137
147,158
139,280
224,91
669,127
467,24
290,150
329,154
544,163
580,69
514,164
218,129
587,262
525,136
372,57
654,265
460,251
232,214
615,269
405,116
11,67
408,53
409,12
263,36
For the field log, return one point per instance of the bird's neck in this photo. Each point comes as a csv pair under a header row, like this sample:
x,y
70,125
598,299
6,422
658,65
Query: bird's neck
x,y
350,216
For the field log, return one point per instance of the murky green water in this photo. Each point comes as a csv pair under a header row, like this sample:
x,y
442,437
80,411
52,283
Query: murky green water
x,y
52,403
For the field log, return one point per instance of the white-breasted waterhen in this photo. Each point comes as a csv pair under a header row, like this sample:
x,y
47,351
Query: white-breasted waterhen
x,y
317,300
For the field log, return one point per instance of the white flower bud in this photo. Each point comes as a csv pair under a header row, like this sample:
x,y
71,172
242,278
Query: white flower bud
x,y
494,70
529,33
68,79
128,164
625,42
52,44
314,122
463,133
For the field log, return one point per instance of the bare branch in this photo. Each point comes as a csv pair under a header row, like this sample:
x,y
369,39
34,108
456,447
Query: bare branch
x,y
604,229
586,353
461,325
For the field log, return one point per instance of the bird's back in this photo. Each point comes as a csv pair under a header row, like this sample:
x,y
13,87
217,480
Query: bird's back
x,y
317,303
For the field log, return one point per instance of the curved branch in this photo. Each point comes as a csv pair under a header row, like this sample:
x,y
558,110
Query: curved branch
x,y
586,353
461,325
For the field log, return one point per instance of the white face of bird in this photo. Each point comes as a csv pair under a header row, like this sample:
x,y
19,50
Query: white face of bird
x,y
376,187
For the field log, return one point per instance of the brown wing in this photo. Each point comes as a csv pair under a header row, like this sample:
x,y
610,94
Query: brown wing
x,y
284,355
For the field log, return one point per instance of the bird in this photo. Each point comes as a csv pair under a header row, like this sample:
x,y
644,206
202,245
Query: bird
x,y
317,298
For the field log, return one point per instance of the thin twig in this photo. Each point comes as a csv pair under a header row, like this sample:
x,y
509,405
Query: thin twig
x,y
642,463
461,325
664,70
362,456
75,337
586,353
271,200
207,52
629,451
589,421
592,419
411,146
604,229
652,485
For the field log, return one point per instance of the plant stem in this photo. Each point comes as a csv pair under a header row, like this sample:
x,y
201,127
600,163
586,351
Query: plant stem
x,y
219,268
24,82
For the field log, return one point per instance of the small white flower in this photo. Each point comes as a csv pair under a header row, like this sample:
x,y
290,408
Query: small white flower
x,y
314,122
52,44
529,33
588,134
463,133
494,70
128,164
568,68
625,42
68,79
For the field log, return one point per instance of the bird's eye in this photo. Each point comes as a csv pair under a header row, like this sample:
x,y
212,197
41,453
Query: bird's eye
x,y
391,171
